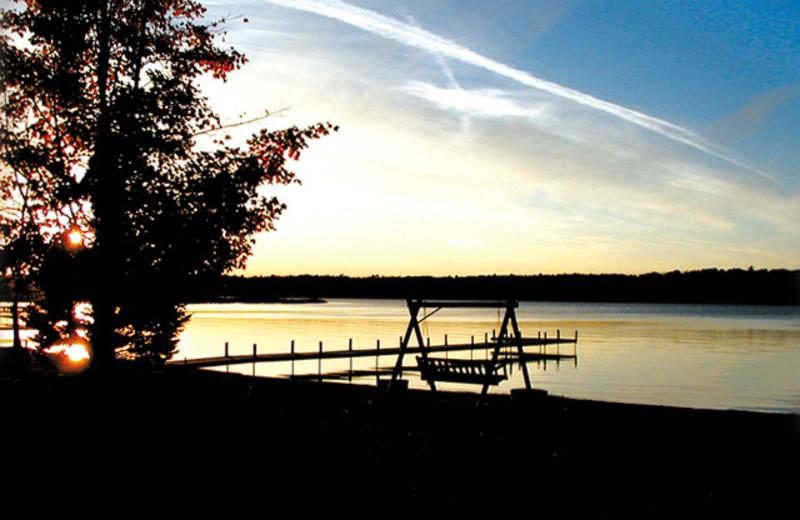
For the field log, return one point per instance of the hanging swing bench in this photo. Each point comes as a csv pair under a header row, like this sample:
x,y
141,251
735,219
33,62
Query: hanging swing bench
x,y
461,370
487,373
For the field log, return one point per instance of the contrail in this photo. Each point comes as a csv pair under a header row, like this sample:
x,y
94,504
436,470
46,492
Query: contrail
x,y
420,38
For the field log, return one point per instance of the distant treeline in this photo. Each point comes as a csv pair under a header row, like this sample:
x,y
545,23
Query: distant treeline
x,y
734,286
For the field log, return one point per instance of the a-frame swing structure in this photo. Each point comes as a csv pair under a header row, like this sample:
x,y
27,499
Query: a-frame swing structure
x,y
486,372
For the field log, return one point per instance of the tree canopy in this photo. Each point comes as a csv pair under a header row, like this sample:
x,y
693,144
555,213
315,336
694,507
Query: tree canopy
x,y
107,197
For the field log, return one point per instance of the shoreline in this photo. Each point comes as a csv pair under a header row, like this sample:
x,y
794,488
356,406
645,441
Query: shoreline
x,y
709,286
318,442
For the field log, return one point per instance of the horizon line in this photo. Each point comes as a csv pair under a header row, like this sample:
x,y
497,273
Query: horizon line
x,y
574,273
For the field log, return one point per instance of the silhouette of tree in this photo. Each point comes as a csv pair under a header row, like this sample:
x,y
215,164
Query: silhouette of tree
x,y
101,117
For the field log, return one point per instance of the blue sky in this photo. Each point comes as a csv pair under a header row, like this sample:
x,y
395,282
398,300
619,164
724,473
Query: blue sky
x,y
526,136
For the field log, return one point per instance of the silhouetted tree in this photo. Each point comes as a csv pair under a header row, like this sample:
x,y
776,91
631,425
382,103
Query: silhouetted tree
x,y
101,115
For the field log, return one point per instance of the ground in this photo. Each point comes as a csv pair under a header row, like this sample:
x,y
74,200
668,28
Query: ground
x,y
209,441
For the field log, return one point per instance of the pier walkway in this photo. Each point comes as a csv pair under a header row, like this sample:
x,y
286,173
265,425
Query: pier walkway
x,y
255,357
503,350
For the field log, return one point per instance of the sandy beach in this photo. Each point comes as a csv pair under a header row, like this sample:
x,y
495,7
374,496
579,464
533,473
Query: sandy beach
x,y
205,439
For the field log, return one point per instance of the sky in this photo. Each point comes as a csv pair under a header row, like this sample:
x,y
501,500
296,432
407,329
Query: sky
x,y
525,137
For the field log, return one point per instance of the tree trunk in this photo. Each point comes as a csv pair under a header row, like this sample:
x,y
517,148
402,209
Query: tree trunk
x,y
15,323
105,197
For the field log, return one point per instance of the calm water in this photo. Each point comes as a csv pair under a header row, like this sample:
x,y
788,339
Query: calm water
x,y
703,356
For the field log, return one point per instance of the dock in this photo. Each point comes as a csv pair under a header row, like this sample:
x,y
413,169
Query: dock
x,y
321,354
503,351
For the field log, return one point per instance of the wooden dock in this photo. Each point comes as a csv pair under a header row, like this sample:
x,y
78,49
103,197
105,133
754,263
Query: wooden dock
x,y
321,354
506,348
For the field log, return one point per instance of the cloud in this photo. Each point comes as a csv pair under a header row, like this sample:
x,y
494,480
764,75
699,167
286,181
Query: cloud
x,y
414,36
531,180
492,103
756,113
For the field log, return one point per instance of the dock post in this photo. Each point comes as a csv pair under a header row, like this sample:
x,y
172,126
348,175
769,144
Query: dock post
x,y
255,355
226,349
319,363
400,374
575,349
377,362
292,353
350,348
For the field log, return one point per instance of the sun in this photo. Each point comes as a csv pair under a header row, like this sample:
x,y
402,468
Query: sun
x,y
72,354
75,237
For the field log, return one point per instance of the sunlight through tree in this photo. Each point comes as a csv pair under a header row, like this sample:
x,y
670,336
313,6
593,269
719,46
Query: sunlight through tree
x,y
101,112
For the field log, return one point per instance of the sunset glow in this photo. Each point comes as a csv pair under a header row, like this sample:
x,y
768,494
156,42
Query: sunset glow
x,y
75,238
527,137
75,352
72,354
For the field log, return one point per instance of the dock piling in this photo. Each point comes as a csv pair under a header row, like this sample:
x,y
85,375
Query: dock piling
x,y
227,367
319,362
377,362
350,348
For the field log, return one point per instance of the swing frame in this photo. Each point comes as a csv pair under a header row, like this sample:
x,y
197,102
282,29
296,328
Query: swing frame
x,y
433,369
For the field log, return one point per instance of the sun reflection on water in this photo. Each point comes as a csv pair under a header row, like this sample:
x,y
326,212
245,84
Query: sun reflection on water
x,y
73,351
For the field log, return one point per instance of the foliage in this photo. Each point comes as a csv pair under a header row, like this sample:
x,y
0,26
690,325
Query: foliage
x,y
101,114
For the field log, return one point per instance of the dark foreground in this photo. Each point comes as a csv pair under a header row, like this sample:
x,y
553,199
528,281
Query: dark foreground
x,y
199,442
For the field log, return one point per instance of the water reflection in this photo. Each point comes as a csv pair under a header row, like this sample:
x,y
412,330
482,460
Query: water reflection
x,y
686,355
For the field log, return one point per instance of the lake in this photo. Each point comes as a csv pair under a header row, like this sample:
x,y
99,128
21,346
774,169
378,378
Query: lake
x,y
699,356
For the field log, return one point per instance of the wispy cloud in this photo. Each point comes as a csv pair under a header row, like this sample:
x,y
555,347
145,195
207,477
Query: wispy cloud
x,y
483,102
752,117
415,36
540,178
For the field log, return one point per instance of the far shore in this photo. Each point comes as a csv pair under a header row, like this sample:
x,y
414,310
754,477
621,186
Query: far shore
x,y
732,286
717,286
